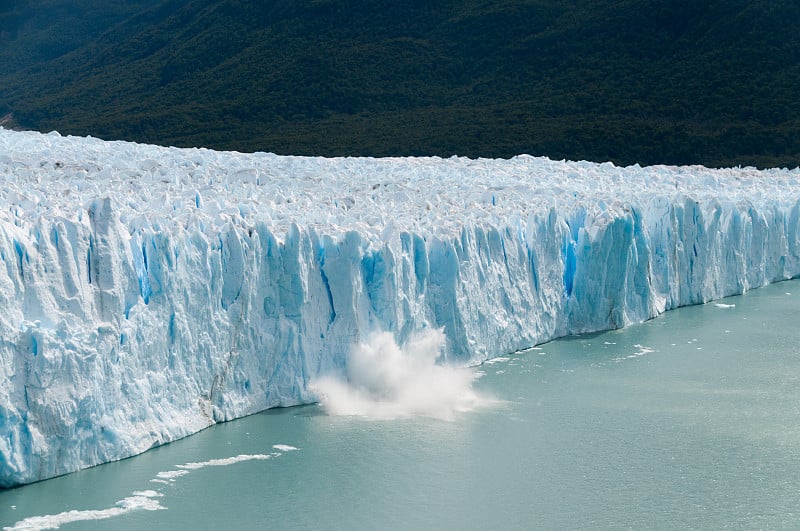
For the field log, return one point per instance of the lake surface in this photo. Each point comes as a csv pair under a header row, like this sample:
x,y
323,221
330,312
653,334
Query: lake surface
x,y
689,420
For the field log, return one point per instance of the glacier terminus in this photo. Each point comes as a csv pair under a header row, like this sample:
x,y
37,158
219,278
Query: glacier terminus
x,y
149,292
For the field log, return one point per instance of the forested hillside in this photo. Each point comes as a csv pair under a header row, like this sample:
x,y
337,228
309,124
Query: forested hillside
x,y
631,81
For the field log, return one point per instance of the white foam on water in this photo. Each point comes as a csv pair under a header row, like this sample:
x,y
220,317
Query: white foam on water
x,y
643,351
145,500
137,501
724,306
225,461
384,380
284,447
168,476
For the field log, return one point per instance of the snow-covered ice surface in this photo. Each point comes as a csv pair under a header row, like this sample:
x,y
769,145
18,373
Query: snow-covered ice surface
x,y
148,292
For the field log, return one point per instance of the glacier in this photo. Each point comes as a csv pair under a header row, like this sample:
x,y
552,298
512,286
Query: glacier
x,y
149,292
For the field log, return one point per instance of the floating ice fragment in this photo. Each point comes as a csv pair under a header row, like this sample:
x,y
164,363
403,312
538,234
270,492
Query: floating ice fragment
x,y
223,462
284,447
643,351
169,476
137,501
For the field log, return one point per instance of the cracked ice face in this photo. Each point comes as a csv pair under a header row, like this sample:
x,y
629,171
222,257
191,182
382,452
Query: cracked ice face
x,y
148,292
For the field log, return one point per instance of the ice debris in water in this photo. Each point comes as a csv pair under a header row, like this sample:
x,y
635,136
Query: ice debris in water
x,y
383,380
149,292
145,500
138,501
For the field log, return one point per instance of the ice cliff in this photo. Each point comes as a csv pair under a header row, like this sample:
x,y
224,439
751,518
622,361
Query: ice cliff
x,y
148,292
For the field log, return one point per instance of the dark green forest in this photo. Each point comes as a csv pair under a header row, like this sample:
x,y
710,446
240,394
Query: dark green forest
x,y
648,81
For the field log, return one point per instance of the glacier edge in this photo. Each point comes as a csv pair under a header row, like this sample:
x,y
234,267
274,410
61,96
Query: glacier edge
x,y
137,316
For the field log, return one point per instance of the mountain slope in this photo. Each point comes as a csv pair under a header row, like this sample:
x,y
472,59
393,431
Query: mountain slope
x,y
628,81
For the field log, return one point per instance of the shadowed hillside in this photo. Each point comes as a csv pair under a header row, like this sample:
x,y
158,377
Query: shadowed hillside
x,y
630,81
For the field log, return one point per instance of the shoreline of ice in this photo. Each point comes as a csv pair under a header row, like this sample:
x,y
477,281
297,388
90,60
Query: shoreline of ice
x,y
148,292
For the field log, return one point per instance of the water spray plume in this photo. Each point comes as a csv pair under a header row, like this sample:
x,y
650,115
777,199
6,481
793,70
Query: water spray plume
x,y
386,380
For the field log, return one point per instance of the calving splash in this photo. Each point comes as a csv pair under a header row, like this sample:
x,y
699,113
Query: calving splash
x,y
145,500
384,380
147,293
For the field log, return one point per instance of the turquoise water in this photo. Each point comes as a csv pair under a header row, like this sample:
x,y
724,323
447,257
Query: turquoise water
x,y
689,420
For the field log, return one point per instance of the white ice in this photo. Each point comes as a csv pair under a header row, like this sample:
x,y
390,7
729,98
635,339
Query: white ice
x,y
285,448
149,292
383,380
137,501
226,461
146,500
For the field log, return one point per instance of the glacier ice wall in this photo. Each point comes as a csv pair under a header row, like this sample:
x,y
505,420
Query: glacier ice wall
x,y
147,292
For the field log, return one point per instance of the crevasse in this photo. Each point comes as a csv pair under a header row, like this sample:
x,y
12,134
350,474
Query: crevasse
x,y
147,292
